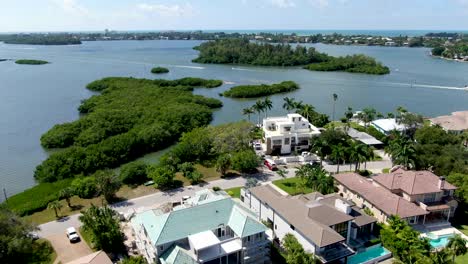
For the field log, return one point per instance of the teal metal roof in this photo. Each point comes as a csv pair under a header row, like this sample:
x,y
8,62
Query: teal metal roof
x,y
182,223
176,255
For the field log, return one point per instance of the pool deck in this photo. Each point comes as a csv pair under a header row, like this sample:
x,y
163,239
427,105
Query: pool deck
x,y
445,231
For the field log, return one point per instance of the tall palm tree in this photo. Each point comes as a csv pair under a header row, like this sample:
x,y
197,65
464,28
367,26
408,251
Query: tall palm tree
x,y
337,155
319,146
248,111
369,154
457,246
306,111
258,107
324,184
267,104
367,115
289,104
66,194
56,206
335,97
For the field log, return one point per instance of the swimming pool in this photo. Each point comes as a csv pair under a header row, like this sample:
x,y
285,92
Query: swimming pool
x,y
373,253
440,241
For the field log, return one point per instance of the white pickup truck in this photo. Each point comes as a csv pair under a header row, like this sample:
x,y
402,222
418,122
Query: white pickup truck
x,y
72,235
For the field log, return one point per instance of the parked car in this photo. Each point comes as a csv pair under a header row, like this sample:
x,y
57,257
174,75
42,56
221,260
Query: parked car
x,y
257,146
270,164
72,235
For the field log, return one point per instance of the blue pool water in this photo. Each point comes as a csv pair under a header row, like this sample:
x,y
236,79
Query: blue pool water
x,y
439,242
370,254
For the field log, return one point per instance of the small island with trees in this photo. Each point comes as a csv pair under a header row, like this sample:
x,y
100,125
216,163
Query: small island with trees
x,y
40,39
31,62
251,91
242,51
159,70
458,51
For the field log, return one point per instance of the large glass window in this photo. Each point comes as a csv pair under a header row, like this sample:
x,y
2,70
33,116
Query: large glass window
x,y
277,142
286,141
342,229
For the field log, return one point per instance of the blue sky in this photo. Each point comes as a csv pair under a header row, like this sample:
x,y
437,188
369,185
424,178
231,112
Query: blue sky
x,y
76,15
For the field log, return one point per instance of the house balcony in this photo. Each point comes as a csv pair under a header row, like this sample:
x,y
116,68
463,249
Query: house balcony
x,y
334,252
224,248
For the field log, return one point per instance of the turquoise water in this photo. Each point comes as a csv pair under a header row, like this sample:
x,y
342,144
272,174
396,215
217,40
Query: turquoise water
x,y
34,98
439,242
369,254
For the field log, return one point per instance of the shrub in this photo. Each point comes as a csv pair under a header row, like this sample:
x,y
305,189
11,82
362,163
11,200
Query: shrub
x,y
85,187
163,176
134,172
216,188
245,161
31,62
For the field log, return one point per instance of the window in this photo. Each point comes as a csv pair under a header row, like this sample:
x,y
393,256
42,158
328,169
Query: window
x,y
300,118
277,142
161,248
446,192
292,227
429,197
286,141
287,129
342,228
242,198
276,227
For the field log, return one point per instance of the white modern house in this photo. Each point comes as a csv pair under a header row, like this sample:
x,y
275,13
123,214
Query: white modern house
x,y
209,228
326,225
285,134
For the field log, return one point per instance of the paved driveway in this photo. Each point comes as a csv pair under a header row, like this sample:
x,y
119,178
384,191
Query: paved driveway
x,y
67,251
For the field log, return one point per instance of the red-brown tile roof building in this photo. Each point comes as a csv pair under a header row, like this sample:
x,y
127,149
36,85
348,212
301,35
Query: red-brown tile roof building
x,y
417,196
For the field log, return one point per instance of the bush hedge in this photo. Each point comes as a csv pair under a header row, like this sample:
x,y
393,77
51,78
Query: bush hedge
x,y
249,91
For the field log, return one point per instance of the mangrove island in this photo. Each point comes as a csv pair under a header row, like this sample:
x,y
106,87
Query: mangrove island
x,y
159,70
31,62
250,91
242,51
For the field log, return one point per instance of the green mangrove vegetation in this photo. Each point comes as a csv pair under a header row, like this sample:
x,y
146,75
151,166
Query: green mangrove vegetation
x,y
159,70
242,51
40,39
131,117
249,91
354,64
31,62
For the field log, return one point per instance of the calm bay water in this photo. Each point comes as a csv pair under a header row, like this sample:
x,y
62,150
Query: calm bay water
x,y
34,98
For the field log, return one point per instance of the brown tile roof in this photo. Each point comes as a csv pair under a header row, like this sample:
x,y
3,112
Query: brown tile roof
x,y
383,199
99,257
297,214
412,182
457,121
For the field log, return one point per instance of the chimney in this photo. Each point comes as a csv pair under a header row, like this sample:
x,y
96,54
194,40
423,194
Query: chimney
x,y
342,206
441,182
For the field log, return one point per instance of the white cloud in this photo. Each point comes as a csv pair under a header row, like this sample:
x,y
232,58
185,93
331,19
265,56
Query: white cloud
x,y
283,3
71,7
167,10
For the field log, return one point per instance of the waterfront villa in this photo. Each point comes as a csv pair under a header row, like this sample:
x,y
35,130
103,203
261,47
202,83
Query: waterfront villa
x,y
209,228
419,197
455,123
283,135
326,225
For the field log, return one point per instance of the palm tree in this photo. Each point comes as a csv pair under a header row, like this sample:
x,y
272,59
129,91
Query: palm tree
x,y
324,184
56,206
367,115
369,154
66,194
335,97
319,146
349,113
337,155
289,104
267,104
306,111
248,111
258,107
457,246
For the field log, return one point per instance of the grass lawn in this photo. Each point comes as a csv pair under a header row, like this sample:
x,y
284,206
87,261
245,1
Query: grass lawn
x,y
234,192
462,259
126,192
289,186
79,204
86,236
